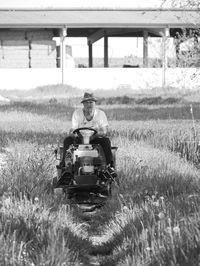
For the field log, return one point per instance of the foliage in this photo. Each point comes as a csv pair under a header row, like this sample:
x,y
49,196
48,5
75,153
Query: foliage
x,y
184,4
138,101
187,47
151,219
175,136
29,169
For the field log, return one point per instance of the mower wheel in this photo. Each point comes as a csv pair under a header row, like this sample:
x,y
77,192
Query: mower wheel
x,y
108,190
55,182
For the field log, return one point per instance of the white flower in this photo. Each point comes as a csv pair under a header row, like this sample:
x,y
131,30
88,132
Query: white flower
x,y
176,229
161,215
148,249
156,203
36,200
125,209
168,229
8,202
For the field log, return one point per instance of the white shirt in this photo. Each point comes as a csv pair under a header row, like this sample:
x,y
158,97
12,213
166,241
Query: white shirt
x,y
79,120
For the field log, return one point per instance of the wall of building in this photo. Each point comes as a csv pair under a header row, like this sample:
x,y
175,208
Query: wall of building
x,y
100,78
27,49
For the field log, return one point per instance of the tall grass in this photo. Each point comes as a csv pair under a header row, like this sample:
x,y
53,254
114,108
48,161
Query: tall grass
x,y
173,135
35,227
141,111
31,234
157,223
151,219
29,169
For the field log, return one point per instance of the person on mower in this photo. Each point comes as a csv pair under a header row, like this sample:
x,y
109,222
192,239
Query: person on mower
x,y
91,117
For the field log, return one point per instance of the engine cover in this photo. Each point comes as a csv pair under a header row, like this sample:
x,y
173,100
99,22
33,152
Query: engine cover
x,y
85,151
86,180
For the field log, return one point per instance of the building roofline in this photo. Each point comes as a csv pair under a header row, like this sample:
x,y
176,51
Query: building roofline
x,y
97,9
99,17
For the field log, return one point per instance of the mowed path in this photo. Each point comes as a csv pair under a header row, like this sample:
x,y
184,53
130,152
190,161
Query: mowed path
x,y
3,158
112,233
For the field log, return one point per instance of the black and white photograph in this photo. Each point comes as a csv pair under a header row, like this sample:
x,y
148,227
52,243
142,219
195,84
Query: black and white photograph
x,y
99,133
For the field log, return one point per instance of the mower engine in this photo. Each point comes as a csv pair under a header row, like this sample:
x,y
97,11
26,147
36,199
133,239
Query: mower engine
x,y
84,157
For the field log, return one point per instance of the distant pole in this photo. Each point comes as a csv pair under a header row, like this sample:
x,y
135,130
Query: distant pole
x,y
145,48
164,56
63,34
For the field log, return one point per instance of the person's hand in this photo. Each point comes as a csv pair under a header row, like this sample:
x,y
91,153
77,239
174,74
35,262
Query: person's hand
x,y
102,131
100,134
71,132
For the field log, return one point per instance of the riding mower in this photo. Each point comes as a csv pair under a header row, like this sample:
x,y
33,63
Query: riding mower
x,y
84,171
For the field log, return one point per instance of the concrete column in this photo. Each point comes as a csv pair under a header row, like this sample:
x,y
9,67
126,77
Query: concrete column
x,y
105,51
145,48
164,55
90,54
196,48
177,49
63,34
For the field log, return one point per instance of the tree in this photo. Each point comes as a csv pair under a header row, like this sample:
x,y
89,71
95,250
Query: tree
x,y
181,3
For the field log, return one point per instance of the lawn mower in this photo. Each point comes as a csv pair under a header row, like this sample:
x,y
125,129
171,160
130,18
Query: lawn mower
x,y
85,174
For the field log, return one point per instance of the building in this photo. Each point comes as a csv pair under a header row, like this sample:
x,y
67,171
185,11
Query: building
x,y
26,33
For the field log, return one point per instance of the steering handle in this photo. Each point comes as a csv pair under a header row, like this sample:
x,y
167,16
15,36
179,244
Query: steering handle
x,y
84,128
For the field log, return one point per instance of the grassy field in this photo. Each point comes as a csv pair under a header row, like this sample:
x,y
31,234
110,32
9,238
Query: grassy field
x,y
153,215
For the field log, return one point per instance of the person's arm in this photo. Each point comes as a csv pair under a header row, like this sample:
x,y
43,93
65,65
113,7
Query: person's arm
x,y
103,124
74,122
